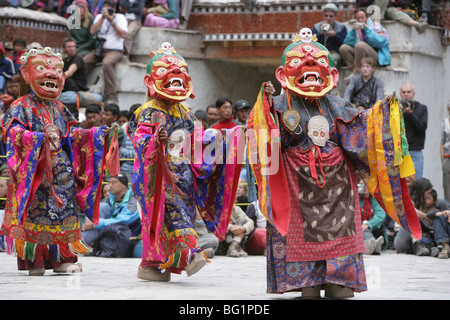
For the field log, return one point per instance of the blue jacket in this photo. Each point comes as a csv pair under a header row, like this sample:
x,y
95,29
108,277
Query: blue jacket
x,y
126,212
376,41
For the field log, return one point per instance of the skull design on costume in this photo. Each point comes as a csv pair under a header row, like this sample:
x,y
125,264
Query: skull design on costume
x,y
319,130
175,142
306,35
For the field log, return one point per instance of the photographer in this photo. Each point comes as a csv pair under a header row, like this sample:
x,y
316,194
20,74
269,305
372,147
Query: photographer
x,y
330,32
415,116
111,29
366,38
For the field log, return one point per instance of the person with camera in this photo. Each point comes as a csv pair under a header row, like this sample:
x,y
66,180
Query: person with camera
x,y
366,38
415,116
111,29
330,32
365,89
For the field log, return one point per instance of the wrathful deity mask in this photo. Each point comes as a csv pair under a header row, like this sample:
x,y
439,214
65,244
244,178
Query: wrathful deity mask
x,y
42,70
167,76
307,68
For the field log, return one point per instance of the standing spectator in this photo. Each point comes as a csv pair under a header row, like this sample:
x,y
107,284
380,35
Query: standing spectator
x,y
6,68
169,20
132,10
84,39
212,114
365,89
415,116
362,41
445,155
331,33
242,110
19,46
112,27
225,111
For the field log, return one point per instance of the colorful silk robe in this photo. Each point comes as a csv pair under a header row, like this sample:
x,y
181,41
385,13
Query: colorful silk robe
x,y
319,239
42,218
171,188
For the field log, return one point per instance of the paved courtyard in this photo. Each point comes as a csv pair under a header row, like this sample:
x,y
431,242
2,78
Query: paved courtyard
x,y
390,276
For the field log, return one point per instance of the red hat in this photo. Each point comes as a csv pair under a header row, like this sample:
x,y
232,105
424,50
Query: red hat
x,y
82,3
2,48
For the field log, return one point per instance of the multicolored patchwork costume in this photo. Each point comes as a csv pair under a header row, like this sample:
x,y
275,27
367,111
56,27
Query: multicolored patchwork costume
x,y
56,171
325,146
174,178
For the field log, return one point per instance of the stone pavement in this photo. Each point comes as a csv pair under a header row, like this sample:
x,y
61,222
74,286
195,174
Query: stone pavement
x,y
390,276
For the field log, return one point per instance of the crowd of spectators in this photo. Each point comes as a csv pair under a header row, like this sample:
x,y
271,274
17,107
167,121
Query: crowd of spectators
x,y
106,35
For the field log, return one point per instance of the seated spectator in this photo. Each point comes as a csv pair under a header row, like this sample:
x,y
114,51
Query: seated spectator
x,y
119,208
225,111
404,242
373,217
242,110
438,210
185,12
242,194
389,11
6,68
256,242
75,86
365,89
331,33
112,28
169,20
207,241
132,10
212,114
363,41
19,47
238,230
84,40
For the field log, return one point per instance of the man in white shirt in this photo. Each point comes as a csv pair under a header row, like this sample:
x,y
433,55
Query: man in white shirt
x,y
112,27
